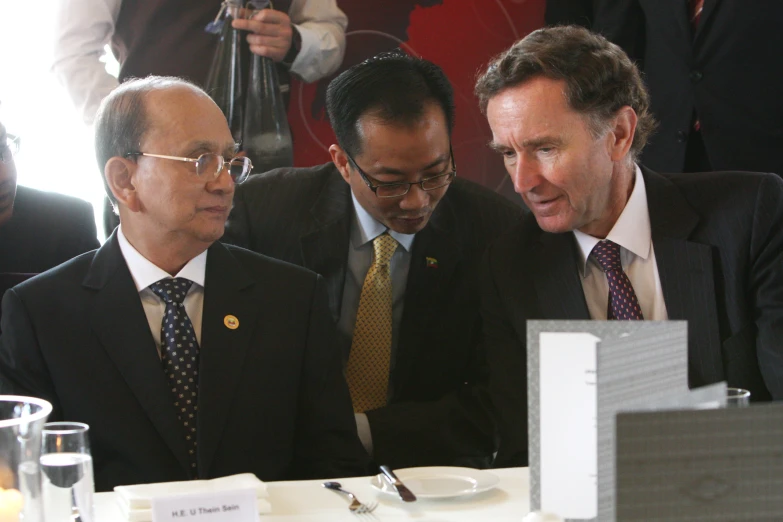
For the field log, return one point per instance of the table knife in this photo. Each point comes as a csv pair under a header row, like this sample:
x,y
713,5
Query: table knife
x,y
405,494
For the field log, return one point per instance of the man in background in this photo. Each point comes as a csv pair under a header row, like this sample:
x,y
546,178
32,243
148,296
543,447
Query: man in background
x,y
187,359
38,230
608,239
166,37
708,65
398,238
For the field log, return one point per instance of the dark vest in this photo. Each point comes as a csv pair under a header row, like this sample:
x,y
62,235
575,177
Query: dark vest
x,y
167,37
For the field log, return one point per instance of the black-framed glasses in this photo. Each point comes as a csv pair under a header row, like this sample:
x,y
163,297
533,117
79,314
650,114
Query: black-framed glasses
x,y
9,147
396,190
211,164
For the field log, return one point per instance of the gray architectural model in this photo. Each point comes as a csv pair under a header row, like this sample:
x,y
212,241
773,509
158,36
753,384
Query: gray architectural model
x,y
636,362
719,465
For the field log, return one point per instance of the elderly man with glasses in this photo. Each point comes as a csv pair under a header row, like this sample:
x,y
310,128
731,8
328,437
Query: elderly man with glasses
x,y
187,358
398,237
38,230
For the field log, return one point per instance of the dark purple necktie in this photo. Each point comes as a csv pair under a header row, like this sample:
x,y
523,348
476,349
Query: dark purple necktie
x,y
623,303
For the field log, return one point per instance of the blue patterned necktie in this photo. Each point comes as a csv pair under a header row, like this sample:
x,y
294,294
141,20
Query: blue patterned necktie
x,y
623,303
179,355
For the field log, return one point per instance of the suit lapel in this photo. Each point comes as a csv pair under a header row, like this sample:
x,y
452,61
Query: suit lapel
x,y
706,14
557,278
121,326
226,292
325,249
681,11
687,280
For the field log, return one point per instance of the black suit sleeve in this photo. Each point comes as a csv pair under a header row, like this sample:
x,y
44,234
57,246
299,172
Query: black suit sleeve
x,y
454,430
23,370
507,361
327,443
238,225
766,281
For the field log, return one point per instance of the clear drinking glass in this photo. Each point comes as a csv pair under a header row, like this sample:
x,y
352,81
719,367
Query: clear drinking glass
x,y
737,398
68,486
21,421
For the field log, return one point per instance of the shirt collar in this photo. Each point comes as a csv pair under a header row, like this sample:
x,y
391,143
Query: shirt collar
x,y
145,273
631,230
369,228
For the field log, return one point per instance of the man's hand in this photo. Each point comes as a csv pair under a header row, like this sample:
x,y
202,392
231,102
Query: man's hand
x,y
270,33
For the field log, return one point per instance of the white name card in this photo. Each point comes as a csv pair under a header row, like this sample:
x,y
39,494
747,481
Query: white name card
x,y
221,506
568,424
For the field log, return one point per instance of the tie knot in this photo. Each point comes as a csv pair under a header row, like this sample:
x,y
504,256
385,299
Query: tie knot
x,y
384,246
172,290
607,254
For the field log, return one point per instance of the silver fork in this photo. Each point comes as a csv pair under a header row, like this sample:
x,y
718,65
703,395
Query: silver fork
x,y
356,506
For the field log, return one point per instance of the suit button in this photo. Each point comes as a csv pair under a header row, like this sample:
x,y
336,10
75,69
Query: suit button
x,y
682,136
696,76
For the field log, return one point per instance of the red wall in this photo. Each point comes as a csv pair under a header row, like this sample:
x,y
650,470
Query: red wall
x,y
459,35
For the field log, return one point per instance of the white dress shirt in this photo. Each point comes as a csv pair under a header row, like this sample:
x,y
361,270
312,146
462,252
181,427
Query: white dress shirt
x,y
637,255
145,273
364,229
82,29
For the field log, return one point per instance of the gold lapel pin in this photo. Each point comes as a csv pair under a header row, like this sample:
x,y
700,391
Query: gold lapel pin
x,y
431,262
231,322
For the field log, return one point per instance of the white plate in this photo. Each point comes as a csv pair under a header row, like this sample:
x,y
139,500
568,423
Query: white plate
x,y
439,482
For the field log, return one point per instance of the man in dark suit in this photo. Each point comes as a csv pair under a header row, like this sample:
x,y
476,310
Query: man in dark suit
x,y
710,69
413,369
38,230
228,367
609,240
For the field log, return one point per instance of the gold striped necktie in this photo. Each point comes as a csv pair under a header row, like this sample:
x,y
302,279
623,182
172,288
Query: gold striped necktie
x,y
368,362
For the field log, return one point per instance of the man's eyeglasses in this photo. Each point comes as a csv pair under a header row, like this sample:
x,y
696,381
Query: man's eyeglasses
x,y
9,147
396,190
211,165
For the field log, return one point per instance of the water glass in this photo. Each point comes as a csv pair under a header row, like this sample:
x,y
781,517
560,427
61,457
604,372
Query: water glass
x,y
21,421
68,486
737,398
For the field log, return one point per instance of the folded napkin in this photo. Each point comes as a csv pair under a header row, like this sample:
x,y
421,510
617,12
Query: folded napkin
x,y
136,501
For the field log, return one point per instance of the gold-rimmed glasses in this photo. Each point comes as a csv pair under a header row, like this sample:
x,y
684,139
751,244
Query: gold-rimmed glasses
x,y
211,164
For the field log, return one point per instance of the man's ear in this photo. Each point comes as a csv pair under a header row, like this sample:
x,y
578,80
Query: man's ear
x,y
341,161
623,131
119,173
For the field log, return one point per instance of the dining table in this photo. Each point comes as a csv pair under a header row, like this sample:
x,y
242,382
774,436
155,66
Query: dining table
x,y
307,500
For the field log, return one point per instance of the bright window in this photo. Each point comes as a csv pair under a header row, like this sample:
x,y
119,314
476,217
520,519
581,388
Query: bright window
x,y
56,146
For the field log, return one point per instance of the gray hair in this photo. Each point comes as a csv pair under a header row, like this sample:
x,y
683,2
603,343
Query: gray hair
x,y
599,77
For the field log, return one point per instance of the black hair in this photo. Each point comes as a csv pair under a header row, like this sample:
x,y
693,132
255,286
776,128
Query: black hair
x,y
393,87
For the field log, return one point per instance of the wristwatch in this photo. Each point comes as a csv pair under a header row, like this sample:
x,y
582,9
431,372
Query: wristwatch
x,y
293,51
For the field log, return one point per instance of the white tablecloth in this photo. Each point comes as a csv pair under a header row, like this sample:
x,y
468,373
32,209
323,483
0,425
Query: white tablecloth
x,y
306,500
